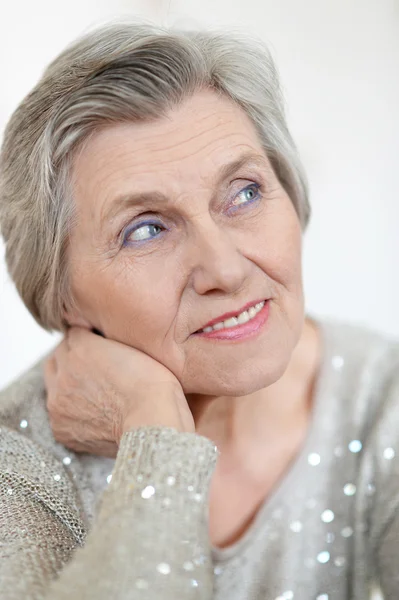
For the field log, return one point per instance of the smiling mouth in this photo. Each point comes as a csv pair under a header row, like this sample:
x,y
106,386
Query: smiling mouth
x,y
239,319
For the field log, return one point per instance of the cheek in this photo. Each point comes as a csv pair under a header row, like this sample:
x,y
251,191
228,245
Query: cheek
x,y
288,259
136,305
131,314
279,248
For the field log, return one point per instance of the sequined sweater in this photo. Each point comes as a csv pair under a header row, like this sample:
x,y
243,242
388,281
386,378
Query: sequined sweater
x,y
136,527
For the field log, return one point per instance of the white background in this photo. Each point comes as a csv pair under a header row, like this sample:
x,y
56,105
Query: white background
x,y
339,63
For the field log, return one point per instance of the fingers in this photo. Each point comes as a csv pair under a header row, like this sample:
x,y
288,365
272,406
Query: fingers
x,y
77,340
73,337
61,351
81,335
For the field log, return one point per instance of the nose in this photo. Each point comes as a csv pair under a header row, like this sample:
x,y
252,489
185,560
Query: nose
x,y
217,263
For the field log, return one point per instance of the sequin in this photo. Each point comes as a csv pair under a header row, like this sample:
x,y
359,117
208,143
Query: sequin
x,y
139,478
339,561
286,596
218,570
330,537
327,516
337,362
190,488
57,477
141,584
355,446
322,597
147,493
67,460
9,492
23,424
296,526
109,478
42,464
349,489
188,565
323,557
389,453
338,452
194,583
347,532
198,497
171,480
370,489
314,459
163,568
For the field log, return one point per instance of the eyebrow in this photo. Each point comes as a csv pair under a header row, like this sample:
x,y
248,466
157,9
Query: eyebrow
x,y
128,200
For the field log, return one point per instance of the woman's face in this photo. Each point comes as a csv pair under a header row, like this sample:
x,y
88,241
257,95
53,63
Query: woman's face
x,y
170,236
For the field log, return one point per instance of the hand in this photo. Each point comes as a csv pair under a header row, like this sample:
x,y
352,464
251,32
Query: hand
x,y
98,388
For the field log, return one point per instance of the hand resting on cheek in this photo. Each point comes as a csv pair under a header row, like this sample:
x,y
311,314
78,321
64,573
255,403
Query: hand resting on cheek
x,y
97,389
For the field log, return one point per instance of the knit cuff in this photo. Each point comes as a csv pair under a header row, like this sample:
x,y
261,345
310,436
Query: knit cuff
x,y
160,463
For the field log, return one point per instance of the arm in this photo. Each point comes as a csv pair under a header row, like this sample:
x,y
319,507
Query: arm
x,y
149,539
388,562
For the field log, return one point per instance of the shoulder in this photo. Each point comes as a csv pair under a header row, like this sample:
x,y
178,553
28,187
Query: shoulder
x,y
360,344
23,406
366,361
367,379
30,458
359,383
24,420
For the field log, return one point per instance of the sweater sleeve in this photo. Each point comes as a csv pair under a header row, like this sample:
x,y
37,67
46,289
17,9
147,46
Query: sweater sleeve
x,y
382,476
149,538
388,561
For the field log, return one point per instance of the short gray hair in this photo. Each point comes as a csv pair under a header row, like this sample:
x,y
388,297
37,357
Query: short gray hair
x,y
119,72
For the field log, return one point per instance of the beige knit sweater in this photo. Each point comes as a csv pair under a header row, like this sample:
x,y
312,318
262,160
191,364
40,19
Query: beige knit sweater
x,y
85,527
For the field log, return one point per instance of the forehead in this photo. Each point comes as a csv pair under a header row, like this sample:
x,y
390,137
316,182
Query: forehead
x,y
207,129
184,150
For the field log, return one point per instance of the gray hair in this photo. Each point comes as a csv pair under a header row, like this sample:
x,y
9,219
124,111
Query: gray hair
x,y
117,73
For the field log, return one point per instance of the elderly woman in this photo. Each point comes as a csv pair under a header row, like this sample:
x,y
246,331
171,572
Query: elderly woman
x,y
194,435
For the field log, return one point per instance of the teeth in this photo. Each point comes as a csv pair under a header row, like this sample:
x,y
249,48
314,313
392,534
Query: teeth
x,y
243,317
232,322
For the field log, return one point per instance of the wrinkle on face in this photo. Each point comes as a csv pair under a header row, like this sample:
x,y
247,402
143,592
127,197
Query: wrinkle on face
x,y
153,296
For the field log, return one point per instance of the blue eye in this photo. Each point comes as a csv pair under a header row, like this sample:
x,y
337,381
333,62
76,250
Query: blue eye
x,y
247,195
149,230
142,232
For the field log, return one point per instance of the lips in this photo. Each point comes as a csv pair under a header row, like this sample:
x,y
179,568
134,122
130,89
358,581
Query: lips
x,y
228,315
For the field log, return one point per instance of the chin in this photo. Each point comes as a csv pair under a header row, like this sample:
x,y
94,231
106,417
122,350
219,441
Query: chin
x,y
240,382
244,369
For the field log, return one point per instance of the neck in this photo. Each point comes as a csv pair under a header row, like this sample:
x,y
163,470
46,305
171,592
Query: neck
x,y
238,424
